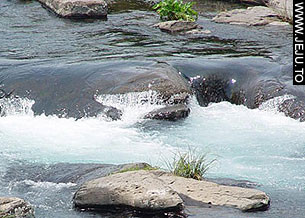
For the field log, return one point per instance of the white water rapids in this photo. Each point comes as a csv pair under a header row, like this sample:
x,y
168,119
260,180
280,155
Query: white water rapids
x,y
260,145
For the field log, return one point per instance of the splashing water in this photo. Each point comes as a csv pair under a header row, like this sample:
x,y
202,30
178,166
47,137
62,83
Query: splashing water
x,y
139,102
259,145
16,106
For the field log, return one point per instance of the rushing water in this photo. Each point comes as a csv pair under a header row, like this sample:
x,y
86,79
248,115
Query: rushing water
x,y
259,145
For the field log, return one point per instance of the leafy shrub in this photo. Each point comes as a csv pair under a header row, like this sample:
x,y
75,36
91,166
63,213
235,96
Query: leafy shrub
x,y
176,10
190,164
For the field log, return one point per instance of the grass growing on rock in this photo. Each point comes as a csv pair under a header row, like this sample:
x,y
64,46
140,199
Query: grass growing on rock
x,y
190,164
176,10
136,168
6,216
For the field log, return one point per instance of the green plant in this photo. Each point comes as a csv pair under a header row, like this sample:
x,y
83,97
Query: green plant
x,y
176,10
136,168
190,164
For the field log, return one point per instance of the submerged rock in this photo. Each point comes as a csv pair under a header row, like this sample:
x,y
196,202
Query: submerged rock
x,y
157,190
15,207
137,190
75,173
171,113
77,8
176,26
252,16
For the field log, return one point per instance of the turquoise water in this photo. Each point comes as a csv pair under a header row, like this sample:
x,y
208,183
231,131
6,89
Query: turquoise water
x,y
259,145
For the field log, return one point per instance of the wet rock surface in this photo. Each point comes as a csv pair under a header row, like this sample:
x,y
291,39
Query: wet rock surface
x,y
171,113
70,90
77,173
250,84
15,207
77,8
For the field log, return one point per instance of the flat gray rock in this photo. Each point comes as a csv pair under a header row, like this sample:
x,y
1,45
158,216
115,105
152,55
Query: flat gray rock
x,y
77,8
252,16
245,199
157,190
139,190
15,207
176,26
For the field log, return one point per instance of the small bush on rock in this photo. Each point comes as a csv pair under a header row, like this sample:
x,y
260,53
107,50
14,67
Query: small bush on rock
x,y
190,164
176,10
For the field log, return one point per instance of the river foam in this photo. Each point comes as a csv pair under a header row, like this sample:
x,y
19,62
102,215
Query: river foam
x,y
260,145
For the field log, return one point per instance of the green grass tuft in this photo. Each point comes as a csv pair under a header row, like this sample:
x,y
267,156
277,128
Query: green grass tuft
x,y
176,10
190,164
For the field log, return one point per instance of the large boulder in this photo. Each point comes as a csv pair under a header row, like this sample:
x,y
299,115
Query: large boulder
x,y
159,77
77,8
157,190
252,16
136,190
15,207
71,90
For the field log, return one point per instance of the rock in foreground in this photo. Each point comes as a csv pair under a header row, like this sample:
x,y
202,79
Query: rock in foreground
x,y
15,207
77,8
137,190
244,199
158,191
252,16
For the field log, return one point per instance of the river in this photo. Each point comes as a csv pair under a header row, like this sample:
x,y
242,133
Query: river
x,y
259,145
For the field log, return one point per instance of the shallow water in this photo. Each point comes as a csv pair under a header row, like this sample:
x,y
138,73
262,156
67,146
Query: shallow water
x,y
31,33
259,145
